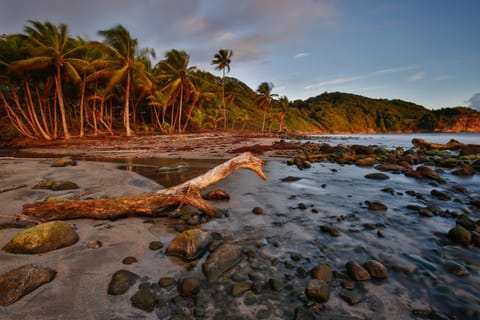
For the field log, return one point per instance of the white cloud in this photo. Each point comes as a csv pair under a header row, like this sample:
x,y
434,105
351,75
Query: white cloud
x,y
417,76
474,101
301,55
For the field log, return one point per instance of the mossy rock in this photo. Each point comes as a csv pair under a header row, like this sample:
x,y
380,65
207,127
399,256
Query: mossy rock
x,y
56,185
460,235
43,238
121,281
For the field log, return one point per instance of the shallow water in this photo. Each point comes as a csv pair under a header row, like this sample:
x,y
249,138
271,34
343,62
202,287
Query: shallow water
x,y
413,248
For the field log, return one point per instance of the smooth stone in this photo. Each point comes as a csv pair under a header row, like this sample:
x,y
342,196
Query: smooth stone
x,y
276,284
18,282
94,244
350,296
465,221
440,195
464,171
257,210
366,162
377,176
460,235
240,288
189,244
221,260
460,189
390,167
322,272
455,268
376,206
317,290
290,179
144,300
166,282
356,271
217,194
43,238
155,245
189,286
376,269
63,162
129,260
250,300
121,281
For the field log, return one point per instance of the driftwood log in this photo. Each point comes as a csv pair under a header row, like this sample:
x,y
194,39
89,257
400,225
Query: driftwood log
x,y
188,192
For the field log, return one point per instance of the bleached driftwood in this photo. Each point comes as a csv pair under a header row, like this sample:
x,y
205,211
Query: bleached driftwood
x,y
188,192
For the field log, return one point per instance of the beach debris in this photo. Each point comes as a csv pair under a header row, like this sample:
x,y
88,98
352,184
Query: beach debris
x,y
12,187
20,281
190,244
43,238
188,192
221,260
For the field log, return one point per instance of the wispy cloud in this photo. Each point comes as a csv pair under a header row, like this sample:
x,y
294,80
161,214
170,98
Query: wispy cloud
x,y
393,70
301,55
417,76
474,101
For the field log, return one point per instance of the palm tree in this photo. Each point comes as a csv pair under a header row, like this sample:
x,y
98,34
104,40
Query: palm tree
x,y
222,60
283,105
264,99
125,62
49,46
178,75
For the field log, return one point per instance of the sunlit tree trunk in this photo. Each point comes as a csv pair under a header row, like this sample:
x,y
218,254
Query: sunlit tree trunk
x,y
58,84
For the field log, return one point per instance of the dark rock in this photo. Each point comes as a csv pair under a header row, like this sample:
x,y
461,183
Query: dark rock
x,y
425,172
144,300
377,176
425,212
390,167
464,171
356,271
317,290
460,235
240,288
350,296
155,245
276,284
43,238
189,244
349,285
376,206
121,281
440,195
20,281
476,238
388,190
217,194
460,189
302,206
129,260
257,210
290,179
63,162
322,272
189,286
250,300
302,313
221,260
166,282
202,298
380,234
455,268
465,221
376,269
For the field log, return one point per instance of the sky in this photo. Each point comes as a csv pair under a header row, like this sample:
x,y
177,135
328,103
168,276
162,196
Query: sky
x,y
422,51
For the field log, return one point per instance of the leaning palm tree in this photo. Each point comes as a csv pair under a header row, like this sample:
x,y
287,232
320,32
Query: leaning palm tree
x,y
283,105
264,99
222,60
125,62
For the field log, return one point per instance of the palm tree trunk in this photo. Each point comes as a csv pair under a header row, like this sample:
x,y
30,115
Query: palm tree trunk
x,y
180,108
29,102
82,106
58,85
126,109
223,100
264,116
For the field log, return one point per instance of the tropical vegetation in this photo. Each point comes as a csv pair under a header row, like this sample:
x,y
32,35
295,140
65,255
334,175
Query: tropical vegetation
x,y
54,85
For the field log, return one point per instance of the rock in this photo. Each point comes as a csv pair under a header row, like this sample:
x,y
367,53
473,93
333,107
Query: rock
x,y
94,244
460,189
189,286
189,244
317,290
166,282
376,206
155,245
290,179
144,300
425,172
221,260
356,271
377,176
390,167
257,210
388,190
376,269
465,221
240,288
350,296
476,238
129,260
217,194
276,284
258,286
455,268
366,162
440,195
63,162
20,281
302,313
121,281
56,185
460,235
464,171
322,272
43,238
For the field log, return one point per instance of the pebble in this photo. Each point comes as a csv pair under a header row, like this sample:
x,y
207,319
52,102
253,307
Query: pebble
x,y
144,300
257,210
189,286
356,271
166,282
155,245
350,296
95,244
376,269
129,260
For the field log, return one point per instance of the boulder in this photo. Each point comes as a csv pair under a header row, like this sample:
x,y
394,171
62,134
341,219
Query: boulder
x,y
190,244
221,260
425,172
43,238
20,281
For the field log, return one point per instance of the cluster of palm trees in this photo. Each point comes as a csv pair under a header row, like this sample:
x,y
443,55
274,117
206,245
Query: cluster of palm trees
x,y
53,85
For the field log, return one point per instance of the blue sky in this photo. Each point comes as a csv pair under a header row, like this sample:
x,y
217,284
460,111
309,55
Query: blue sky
x,y
423,51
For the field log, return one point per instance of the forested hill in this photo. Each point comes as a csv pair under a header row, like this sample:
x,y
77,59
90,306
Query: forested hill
x,y
348,113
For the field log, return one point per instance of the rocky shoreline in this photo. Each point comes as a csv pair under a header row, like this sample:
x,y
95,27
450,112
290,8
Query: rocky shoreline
x,y
300,246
